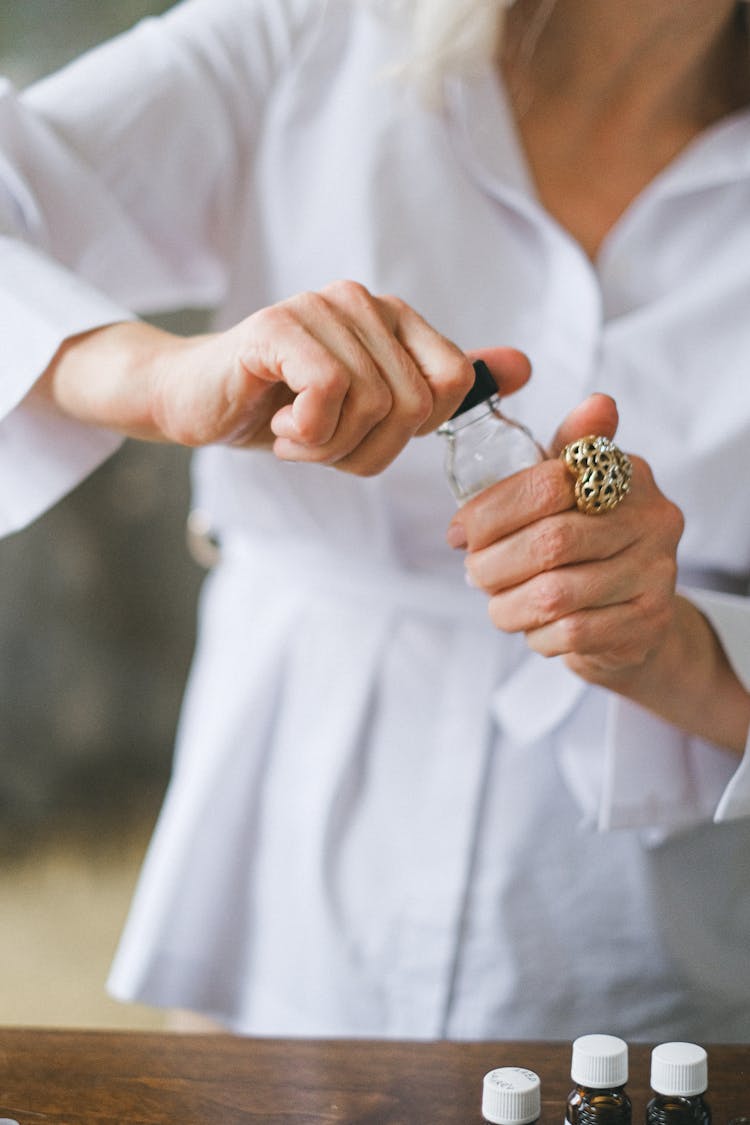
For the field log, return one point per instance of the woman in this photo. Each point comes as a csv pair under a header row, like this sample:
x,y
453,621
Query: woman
x,y
383,816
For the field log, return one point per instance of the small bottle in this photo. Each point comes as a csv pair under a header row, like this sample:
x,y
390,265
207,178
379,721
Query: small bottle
x,y
483,446
679,1079
511,1096
600,1070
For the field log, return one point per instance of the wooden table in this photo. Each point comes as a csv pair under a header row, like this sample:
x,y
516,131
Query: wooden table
x,y
115,1078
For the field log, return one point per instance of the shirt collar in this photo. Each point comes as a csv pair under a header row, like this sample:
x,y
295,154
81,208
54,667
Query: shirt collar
x,y
484,128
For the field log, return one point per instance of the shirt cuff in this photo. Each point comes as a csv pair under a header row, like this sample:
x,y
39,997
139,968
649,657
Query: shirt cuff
x,y
43,454
41,304
659,777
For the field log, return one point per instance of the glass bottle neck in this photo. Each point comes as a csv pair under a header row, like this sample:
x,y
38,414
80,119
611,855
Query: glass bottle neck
x,y
488,406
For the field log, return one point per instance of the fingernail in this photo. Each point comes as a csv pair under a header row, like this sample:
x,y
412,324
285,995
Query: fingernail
x,y
456,536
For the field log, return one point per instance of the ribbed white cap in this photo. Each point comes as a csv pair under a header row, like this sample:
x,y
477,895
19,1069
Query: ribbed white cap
x,y
599,1061
511,1096
680,1069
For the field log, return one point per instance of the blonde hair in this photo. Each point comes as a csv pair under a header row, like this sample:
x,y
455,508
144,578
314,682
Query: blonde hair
x,y
445,37
453,35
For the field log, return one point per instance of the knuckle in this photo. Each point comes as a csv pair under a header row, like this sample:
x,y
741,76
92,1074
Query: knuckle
x,y
275,319
664,574
549,596
674,522
369,406
456,373
640,467
655,605
331,376
662,618
396,304
573,633
549,487
351,294
553,543
475,571
310,305
378,402
417,405
497,614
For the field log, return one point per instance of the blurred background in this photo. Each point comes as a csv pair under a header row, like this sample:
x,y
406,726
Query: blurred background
x,y
96,633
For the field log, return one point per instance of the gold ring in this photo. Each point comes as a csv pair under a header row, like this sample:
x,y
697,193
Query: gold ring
x,y
602,473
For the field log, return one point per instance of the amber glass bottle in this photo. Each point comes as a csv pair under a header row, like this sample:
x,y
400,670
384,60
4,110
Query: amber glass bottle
x,y
599,1069
679,1079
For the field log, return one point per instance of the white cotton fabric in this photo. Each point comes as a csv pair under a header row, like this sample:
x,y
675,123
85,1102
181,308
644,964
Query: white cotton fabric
x,y
385,817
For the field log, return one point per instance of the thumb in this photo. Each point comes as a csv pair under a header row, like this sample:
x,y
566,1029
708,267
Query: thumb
x,y
510,368
597,414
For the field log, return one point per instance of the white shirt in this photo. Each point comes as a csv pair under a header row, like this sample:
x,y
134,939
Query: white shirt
x,y
386,817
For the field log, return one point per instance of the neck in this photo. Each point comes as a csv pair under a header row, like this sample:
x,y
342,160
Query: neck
x,y
647,62
606,94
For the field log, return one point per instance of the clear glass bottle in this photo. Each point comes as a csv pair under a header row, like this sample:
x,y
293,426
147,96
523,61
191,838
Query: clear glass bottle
x,y
600,1070
511,1095
482,445
679,1079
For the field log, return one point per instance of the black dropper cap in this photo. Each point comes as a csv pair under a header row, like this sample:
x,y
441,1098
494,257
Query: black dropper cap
x,y
484,387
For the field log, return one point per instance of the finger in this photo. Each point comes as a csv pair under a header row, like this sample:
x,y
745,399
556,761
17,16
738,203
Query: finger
x,y
428,376
314,414
347,451
510,368
513,503
388,398
349,383
595,415
360,413
386,328
605,633
376,451
599,642
279,345
446,370
554,595
559,541
536,492
498,559
343,400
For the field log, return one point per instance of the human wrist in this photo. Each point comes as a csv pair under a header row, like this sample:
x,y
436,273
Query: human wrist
x,y
109,377
689,681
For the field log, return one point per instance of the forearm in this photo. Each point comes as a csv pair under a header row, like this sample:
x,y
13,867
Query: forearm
x,y
689,681
107,377
339,377
145,383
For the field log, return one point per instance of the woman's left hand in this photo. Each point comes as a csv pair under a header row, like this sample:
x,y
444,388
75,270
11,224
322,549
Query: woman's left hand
x,y
598,590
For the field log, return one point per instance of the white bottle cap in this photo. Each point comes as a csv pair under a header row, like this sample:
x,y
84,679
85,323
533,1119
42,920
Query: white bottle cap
x,y
680,1069
511,1096
600,1062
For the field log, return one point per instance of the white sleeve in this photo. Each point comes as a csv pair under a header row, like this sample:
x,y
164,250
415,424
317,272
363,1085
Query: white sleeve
x,y
119,181
656,776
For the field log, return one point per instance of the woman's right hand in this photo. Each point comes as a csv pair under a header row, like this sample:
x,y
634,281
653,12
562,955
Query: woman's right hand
x,y
337,377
